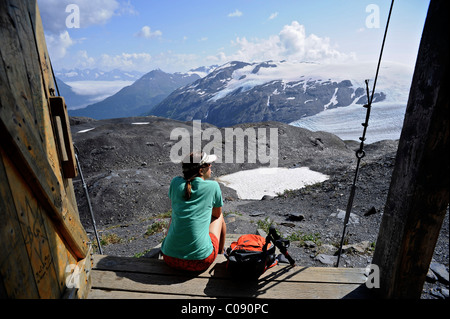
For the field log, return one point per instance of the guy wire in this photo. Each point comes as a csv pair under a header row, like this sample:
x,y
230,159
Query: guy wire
x,y
360,153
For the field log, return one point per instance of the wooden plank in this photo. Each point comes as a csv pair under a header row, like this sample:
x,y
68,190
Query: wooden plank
x,y
119,294
85,280
419,194
21,107
44,255
218,270
61,118
25,125
150,278
61,254
145,283
34,233
15,267
70,227
41,234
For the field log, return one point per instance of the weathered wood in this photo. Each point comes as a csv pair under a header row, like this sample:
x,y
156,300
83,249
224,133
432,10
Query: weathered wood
x,y
149,278
116,294
34,257
25,120
279,273
15,267
419,193
218,287
35,236
41,237
61,118
78,280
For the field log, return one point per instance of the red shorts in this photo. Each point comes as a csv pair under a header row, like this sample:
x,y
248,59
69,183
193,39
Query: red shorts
x,y
195,265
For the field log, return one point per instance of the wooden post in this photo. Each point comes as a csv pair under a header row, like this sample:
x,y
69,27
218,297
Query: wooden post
x,y
419,192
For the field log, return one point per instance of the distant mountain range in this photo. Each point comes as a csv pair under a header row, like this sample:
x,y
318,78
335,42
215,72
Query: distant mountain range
x,y
311,95
138,98
97,75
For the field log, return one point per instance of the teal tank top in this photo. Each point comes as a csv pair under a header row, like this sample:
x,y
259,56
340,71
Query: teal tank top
x,y
188,235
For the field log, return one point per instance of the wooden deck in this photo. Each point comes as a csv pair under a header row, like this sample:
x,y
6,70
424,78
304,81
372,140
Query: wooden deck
x,y
150,278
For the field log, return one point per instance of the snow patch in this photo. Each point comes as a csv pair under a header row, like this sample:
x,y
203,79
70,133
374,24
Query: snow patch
x,y
333,100
84,131
255,183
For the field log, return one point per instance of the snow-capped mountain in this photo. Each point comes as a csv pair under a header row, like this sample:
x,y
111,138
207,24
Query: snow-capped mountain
x,y
289,92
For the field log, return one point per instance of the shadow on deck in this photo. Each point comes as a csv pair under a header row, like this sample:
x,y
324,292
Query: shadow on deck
x,y
150,278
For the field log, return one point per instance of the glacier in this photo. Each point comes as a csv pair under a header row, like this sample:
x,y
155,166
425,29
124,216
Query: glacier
x,y
385,123
386,117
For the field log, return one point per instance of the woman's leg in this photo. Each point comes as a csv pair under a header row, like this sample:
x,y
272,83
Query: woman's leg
x,y
219,229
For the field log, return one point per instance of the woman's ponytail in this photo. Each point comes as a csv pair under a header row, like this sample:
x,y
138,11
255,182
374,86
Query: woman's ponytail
x,y
190,171
188,190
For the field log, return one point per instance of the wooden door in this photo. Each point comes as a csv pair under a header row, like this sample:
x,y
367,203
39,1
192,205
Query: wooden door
x,y
44,250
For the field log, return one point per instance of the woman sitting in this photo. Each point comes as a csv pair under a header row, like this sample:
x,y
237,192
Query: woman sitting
x,y
197,228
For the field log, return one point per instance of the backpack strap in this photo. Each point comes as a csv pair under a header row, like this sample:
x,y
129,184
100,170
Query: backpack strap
x,y
268,240
280,243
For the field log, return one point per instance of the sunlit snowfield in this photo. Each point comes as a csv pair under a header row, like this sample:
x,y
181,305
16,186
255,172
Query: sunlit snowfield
x,y
255,183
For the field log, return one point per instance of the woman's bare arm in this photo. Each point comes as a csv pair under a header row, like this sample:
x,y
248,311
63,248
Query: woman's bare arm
x,y
216,212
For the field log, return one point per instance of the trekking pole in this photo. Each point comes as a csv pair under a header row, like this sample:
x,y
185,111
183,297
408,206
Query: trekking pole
x,y
88,201
280,243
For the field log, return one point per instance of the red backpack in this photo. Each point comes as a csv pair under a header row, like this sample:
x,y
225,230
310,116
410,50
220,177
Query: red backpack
x,y
250,256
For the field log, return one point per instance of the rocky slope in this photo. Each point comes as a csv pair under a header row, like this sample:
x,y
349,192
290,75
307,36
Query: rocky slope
x,y
127,166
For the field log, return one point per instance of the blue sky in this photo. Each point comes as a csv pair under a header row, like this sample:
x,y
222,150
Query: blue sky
x,y
178,35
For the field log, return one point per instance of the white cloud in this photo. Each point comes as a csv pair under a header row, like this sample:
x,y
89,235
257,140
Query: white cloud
x,y
128,8
146,32
235,14
58,44
273,15
99,89
292,43
168,61
125,61
84,61
57,22
92,12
